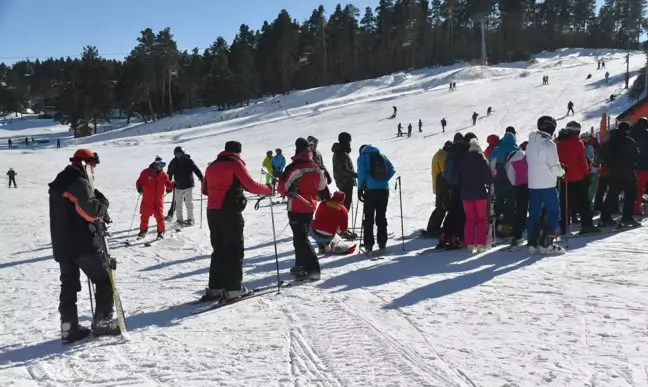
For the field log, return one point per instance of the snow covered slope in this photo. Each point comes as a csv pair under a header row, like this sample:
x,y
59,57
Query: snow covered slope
x,y
449,319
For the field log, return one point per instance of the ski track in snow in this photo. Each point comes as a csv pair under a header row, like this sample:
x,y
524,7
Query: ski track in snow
x,y
445,319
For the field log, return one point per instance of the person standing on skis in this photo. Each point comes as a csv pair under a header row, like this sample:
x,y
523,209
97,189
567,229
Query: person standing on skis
x,y
225,180
183,168
504,193
278,163
12,177
267,166
343,169
74,204
440,190
570,108
474,118
374,173
517,171
420,126
409,130
152,183
302,181
543,171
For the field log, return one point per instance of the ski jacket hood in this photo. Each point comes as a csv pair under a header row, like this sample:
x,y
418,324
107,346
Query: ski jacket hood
x,y
571,152
183,170
365,180
543,162
507,145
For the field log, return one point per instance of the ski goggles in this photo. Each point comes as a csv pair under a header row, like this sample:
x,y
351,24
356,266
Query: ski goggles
x,y
161,164
90,160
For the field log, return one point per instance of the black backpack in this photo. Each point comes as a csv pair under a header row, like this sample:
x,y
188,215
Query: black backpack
x,y
378,167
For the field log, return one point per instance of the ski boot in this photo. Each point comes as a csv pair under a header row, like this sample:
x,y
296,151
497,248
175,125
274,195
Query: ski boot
x,y
628,223
606,222
471,249
103,325
548,246
382,250
321,250
73,332
212,295
160,235
516,241
589,230
241,292
181,223
296,269
189,222
482,249
368,252
141,235
307,276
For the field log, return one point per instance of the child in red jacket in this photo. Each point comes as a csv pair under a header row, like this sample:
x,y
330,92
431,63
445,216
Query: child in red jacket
x,y
331,218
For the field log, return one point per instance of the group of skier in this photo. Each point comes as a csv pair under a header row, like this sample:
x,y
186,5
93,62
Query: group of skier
x,y
409,129
557,177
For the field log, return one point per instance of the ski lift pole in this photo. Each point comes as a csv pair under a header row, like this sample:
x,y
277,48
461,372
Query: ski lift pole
x,y
398,186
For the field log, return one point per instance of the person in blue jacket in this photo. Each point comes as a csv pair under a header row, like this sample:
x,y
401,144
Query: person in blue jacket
x,y
278,164
504,192
374,172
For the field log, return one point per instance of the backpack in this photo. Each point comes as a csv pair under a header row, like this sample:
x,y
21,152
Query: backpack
x,y
378,166
516,168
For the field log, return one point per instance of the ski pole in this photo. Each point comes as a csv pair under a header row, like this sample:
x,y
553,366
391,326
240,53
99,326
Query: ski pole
x,y
201,207
355,217
274,238
399,184
567,214
90,292
134,212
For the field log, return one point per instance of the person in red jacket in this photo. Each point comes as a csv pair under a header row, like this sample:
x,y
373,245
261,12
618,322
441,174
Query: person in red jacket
x,y
493,142
152,184
574,187
331,218
225,180
302,181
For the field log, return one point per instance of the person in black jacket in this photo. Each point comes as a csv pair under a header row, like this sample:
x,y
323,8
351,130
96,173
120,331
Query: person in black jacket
x,y
319,160
343,169
619,155
452,230
182,168
73,205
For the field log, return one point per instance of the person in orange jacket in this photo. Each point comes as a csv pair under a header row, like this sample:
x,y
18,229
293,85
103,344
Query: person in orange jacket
x,y
152,184
493,142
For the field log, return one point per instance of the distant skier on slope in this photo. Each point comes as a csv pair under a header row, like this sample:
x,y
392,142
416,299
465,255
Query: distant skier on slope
x,y
267,166
444,123
570,108
12,177
489,111
73,205
420,124
400,130
607,76
589,76
395,112
474,118
409,130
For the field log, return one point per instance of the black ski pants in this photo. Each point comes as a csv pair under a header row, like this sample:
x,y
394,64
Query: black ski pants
x,y
574,197
93,268
226,234
601,189
456,217
12,179
436,219
618,184
375,211
505,202
521,210
348,193
305,255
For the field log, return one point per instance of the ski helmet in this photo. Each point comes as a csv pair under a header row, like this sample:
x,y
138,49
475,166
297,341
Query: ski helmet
x,y
344,137
547,124
177,150
573,126
85,155
511,129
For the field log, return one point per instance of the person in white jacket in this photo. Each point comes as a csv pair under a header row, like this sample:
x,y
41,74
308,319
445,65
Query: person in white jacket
x,y
544,169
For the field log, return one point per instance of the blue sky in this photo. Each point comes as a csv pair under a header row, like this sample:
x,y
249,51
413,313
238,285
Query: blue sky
x,y
44,28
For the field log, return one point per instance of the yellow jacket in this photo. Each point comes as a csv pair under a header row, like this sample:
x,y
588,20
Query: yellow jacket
x,y
438,163
267,164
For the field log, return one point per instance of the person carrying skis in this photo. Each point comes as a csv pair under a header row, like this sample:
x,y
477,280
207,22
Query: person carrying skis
x,y
302,182
493,141
473,175
151,184
619,154
74,204
12,177
517,171
331,218
639,134
570,108
226,178
409,130
474,118
374,173
441,190
183,168
343,169
543,171
267,166
443,124
420,124
574,187
504,206
400,130
319,160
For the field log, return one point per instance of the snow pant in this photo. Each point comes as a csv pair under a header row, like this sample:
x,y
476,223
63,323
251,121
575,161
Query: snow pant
x,y
443,128
601,190
505,203
521,209
549,199
570,110
618,184
93,268
184,196
476,225
455,218
375,211
226,235
436,219
305,255
157,212
12,179
593,186
348,196
574,196
642,181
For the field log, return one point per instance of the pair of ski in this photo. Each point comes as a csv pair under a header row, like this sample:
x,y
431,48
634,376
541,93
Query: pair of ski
x,y
150,242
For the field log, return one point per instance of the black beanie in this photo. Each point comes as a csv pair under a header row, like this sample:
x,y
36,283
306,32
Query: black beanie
x,y
510,129
469,136
362,148
301,144
344,138
233,146
458,137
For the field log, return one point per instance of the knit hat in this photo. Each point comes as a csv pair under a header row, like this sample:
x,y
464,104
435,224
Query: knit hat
x,y
300,145
312,140
233,146
344,137
623,126
362,147
469,136
339,196
269,153
511,129
458,137
474,146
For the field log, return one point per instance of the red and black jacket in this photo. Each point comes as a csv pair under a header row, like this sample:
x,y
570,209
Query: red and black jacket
x,y
302,177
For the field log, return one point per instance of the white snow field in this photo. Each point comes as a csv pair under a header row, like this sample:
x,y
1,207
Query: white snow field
x,y
447,319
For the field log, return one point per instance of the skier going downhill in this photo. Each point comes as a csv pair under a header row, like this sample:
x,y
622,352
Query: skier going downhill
x,y
73,205
400,130
570,108
225,180
420,126
474,118
152,183
182,168
444,123
395,112
409,130
12,177
302,181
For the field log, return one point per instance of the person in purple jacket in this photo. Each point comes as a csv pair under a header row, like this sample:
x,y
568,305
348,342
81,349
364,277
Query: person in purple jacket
x,y
474,175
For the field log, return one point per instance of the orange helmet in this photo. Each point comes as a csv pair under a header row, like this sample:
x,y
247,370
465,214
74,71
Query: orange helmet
x,y
85,155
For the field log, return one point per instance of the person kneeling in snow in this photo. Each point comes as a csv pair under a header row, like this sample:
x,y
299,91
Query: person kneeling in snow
x,y
331,218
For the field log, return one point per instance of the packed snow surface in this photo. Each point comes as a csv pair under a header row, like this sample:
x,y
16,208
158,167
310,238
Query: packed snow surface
x,y
446,319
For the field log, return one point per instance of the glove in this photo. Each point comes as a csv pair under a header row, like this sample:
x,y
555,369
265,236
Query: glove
x,y
169,190
361,195
175,185
140,189
107,219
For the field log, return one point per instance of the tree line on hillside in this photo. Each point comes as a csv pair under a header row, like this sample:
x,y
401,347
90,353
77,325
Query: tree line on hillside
x,y
156,78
